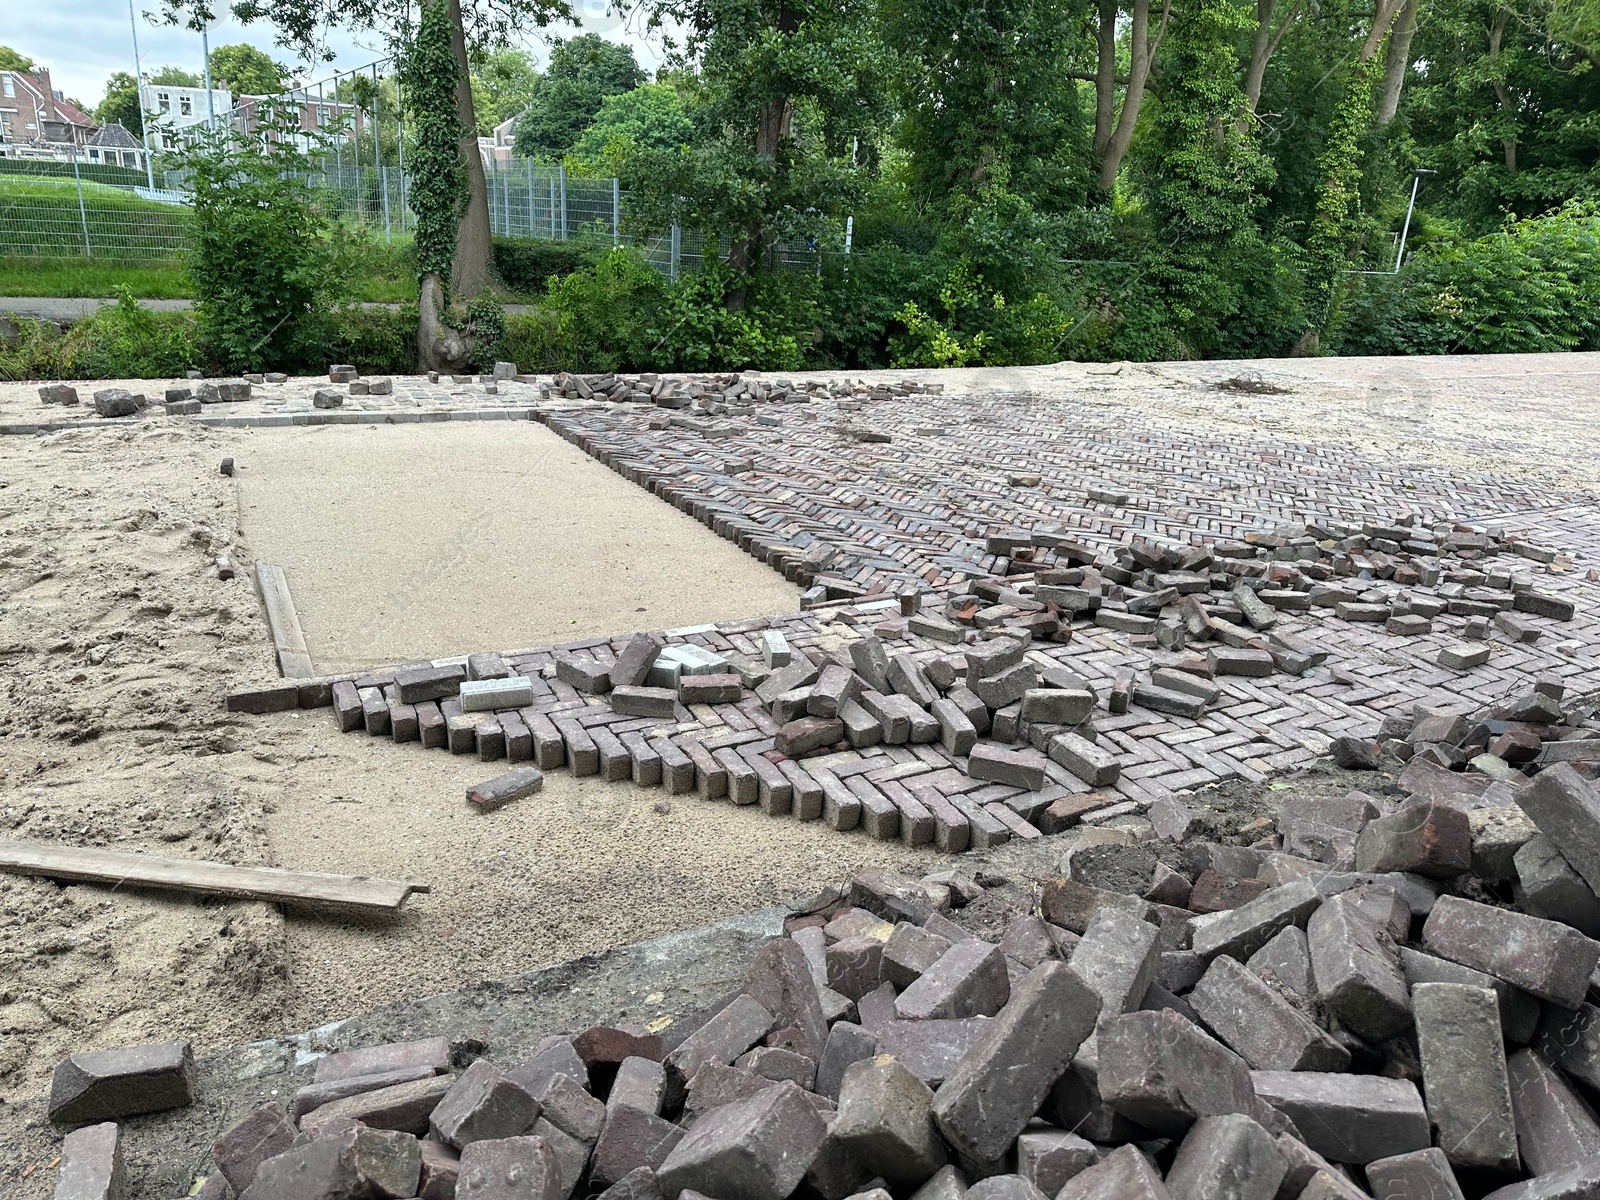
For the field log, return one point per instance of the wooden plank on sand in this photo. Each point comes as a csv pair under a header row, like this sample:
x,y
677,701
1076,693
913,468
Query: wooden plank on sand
x,y
192,875
294,659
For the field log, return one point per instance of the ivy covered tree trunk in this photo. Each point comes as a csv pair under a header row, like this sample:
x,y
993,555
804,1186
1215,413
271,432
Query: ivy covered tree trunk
x,y
439,189
474,260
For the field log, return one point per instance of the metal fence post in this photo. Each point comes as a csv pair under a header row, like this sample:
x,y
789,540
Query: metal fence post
x,y
82,214
552,208
677,248
377,150
561,174
616,212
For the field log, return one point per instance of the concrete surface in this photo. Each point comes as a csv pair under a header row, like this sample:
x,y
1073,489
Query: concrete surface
x,y
416,542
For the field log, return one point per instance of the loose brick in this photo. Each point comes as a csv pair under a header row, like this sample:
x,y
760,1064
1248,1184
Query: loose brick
x,y
1004,1078
1159,1069
1550,960
1348,1118
503,789
1268,1032
885,1119
968,980
756,1149
1019,768
1464,1074
98,1085
91,1160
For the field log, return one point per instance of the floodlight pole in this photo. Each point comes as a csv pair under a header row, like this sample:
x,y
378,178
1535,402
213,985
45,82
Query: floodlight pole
x,y
205,49
1416,182
138,92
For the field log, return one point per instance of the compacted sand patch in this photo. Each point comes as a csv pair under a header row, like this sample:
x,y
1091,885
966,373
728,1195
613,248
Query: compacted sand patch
x,y
580,867
419,541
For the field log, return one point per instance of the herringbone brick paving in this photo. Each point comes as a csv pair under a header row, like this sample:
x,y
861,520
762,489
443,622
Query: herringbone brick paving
x,y
920,506
862,520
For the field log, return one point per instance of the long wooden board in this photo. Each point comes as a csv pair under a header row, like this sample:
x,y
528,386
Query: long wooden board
x,y
191,875
294,659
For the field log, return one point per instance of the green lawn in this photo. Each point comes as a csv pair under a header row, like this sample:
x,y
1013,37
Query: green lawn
x,y
68,277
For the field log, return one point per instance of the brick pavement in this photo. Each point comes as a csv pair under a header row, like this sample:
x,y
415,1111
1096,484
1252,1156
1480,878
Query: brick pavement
x,y
795,485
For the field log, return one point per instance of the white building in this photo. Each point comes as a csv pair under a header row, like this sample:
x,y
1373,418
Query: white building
x,y
169,108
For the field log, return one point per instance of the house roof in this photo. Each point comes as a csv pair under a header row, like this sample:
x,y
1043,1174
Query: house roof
x,y
115,137
60,110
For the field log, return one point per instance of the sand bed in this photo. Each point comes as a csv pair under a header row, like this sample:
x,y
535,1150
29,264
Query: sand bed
x,y
418,541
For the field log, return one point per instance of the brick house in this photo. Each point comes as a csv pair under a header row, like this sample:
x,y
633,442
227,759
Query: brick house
x,y
36,121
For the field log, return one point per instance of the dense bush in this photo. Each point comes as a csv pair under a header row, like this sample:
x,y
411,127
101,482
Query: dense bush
x,y
1533,286
263,255
128,341
526,265
121,341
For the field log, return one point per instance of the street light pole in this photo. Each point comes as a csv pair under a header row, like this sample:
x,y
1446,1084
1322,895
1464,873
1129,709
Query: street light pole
x,y
138,91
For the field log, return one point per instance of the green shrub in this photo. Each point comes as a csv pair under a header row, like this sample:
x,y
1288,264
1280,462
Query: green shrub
x,y
263,256
121,341
376,341
527,265
1532,287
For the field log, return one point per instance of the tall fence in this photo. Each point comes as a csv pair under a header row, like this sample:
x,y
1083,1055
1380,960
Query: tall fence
x,y
53,214
353,127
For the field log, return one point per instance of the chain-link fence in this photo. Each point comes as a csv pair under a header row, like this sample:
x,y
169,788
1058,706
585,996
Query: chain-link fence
x,y
353,127
49,213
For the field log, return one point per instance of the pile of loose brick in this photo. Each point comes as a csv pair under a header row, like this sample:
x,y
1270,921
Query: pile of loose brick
x,y
1353,1006
725,394
958,719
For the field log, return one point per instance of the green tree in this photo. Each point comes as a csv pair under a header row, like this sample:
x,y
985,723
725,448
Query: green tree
x,y
12,60
652,117
785,88
1203,176
246,71
303,26
176,77
1505,111
583,71
503,83
121,103
982,94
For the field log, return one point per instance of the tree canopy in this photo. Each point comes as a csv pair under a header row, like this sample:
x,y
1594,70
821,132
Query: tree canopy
x,y
121,103
566,99
176,77
12,60
246,71
503,84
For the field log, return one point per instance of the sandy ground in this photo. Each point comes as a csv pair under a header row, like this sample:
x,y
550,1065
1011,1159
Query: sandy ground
x,y
428,540
117,644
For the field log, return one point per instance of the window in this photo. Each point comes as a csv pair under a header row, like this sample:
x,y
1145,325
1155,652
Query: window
x,y
94,155
168,142
186,105
322,115
164,101
10,86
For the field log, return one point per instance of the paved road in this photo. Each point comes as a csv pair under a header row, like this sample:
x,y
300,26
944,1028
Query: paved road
x,y
62,308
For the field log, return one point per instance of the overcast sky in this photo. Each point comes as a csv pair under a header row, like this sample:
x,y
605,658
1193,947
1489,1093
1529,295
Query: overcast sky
x,y
84,41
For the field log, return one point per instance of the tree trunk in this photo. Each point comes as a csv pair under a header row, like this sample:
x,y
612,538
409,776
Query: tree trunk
x,y
1142,47
1382,19
1502,95
1396,61
1105,77
1263,45
772,130
440,347
473,271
